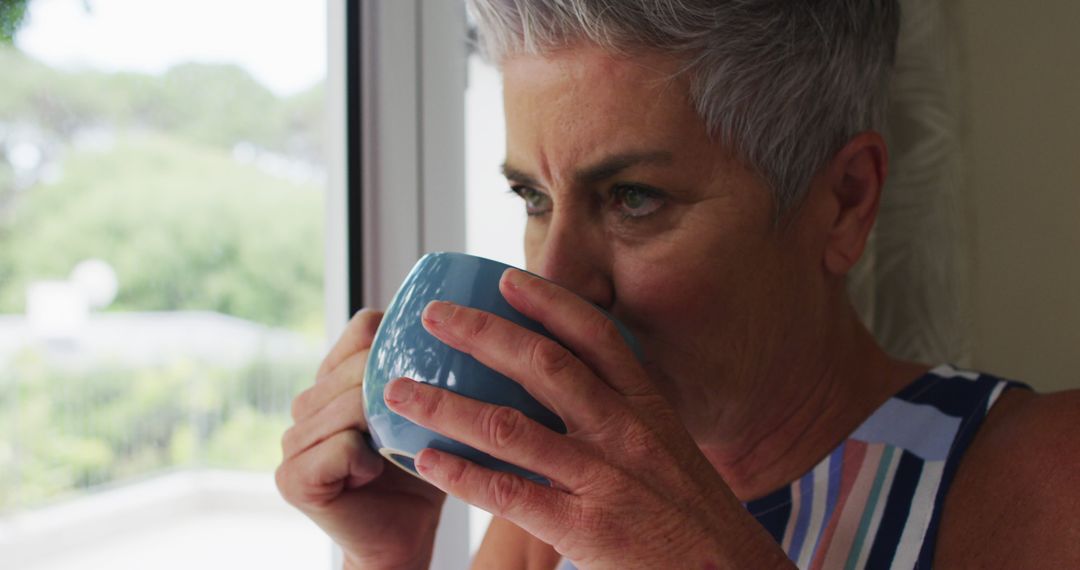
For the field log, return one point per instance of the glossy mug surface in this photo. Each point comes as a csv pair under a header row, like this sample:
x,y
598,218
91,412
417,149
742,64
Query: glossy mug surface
x,y
402,347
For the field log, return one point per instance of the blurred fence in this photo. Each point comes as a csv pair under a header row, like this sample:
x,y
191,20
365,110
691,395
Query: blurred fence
x,y
72,420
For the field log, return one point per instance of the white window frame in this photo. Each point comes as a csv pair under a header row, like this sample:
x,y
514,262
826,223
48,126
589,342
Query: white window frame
x,y
411,184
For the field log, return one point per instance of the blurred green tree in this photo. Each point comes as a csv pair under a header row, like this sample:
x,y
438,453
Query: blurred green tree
x,y
12,13
185,227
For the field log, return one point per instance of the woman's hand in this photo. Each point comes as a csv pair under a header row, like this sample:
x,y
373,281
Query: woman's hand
x,y
381,516
630,487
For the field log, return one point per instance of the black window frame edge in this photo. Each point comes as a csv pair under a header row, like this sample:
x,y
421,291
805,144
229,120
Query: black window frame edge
x,y
354,227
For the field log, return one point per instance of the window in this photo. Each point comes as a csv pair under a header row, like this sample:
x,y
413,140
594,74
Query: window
x,y
163,175
495,217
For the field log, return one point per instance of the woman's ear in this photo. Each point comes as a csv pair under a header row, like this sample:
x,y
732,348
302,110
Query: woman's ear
x,y
853,180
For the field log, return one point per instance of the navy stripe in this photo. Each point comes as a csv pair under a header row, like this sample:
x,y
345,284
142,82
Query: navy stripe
x,y
773,511
957,397
897,509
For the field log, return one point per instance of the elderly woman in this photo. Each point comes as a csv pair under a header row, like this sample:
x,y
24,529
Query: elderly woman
x,y
708,171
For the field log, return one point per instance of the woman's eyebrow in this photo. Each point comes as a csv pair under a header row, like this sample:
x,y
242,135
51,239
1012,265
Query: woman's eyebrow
x,y
518,175
612,165
603,170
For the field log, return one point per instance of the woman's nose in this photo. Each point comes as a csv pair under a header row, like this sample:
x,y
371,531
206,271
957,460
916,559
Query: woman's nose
x,y
572,257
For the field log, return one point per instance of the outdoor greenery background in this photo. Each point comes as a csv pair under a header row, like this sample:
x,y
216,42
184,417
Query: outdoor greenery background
x,y
144,172
12,13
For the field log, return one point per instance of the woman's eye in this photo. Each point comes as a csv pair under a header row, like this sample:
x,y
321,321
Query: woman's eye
x,y
536,202
636,201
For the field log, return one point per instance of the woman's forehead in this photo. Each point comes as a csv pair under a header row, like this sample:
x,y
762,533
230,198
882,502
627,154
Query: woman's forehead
x,y
589,71
583,106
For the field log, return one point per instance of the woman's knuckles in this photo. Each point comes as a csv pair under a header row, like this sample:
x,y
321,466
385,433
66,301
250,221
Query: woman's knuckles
x,y
474,326
503,427
644,447
295,487
430,404
603,329
283,481
625,441
508,495
316,479
364,464
550,359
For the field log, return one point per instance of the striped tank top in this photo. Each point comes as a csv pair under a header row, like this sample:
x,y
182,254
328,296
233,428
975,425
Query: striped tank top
x,y
876,500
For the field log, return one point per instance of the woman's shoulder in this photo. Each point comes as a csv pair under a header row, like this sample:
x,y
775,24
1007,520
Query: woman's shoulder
x,y
1015,501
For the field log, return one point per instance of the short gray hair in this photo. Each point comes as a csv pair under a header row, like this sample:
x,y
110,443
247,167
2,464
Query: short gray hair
x,y
784,83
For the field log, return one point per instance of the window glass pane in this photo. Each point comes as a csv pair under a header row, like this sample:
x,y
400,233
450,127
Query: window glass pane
x,y
162,174
495,217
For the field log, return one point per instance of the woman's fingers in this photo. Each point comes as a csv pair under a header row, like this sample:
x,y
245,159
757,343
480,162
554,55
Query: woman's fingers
x,y
345,412
357,336
546,369
348,374
500,431
318,475
591,335
542,511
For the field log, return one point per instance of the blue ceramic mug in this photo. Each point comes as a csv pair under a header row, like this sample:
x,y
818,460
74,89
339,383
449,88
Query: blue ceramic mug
x,y
402,347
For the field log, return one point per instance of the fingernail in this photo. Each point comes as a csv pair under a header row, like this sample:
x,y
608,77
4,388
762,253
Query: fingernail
x,y
399,390
426,461
438,311
516,281
514,278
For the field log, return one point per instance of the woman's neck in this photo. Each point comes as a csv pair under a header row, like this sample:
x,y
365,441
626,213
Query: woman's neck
x,y
776,439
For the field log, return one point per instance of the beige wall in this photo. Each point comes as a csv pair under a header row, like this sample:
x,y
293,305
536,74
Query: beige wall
x,y
1022,163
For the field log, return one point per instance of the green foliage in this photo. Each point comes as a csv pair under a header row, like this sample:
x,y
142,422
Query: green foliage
x,y
184,227
68,428
12,13
209,104
248,440
192,100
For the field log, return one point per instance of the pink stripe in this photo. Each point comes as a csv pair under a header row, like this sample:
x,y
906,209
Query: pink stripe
x,y
854,454
851,514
